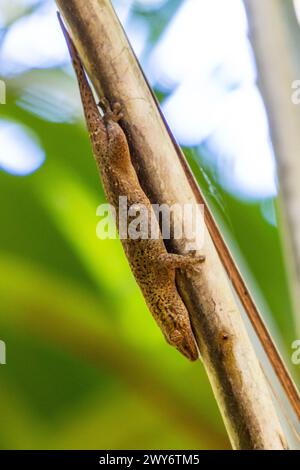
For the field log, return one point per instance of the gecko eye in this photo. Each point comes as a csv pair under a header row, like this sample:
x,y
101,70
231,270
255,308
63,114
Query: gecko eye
x,y
176,337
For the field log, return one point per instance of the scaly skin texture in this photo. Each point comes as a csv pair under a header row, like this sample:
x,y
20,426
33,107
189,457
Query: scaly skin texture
x,y
153,267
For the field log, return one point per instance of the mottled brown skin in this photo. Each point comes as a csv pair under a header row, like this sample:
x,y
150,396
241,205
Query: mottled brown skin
x,y
153,267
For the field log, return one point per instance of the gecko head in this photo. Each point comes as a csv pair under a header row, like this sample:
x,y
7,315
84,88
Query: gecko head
x,y
185,344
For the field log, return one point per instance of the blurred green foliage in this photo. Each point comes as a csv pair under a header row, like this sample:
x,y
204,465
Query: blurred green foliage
x,y
86,365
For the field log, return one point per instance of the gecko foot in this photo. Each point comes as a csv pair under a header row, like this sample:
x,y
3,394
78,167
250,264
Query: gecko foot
x,y
193,262
188,262
111,113
117,114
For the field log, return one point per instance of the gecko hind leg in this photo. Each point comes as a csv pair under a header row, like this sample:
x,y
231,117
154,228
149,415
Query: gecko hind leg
x,y
189,262
111,113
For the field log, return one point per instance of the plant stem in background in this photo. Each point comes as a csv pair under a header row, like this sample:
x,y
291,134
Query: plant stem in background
x,y
277,70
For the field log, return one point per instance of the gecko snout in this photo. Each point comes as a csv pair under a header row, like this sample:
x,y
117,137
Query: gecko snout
x,y
189,349
185,344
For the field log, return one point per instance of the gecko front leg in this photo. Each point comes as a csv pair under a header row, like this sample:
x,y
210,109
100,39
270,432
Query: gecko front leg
x,y
187,262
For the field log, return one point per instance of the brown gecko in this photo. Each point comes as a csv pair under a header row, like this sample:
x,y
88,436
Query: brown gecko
x,y
153,267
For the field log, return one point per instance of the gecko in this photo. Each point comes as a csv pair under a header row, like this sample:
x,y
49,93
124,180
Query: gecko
x,y
154,268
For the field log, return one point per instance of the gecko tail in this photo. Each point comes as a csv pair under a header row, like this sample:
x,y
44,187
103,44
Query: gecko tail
x,y
91,111
72,49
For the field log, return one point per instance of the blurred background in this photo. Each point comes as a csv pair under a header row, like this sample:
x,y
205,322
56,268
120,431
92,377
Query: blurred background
x,y
87,366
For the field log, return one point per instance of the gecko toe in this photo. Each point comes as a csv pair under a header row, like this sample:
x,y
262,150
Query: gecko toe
x,y
117,114
104,103
117,107
195,263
